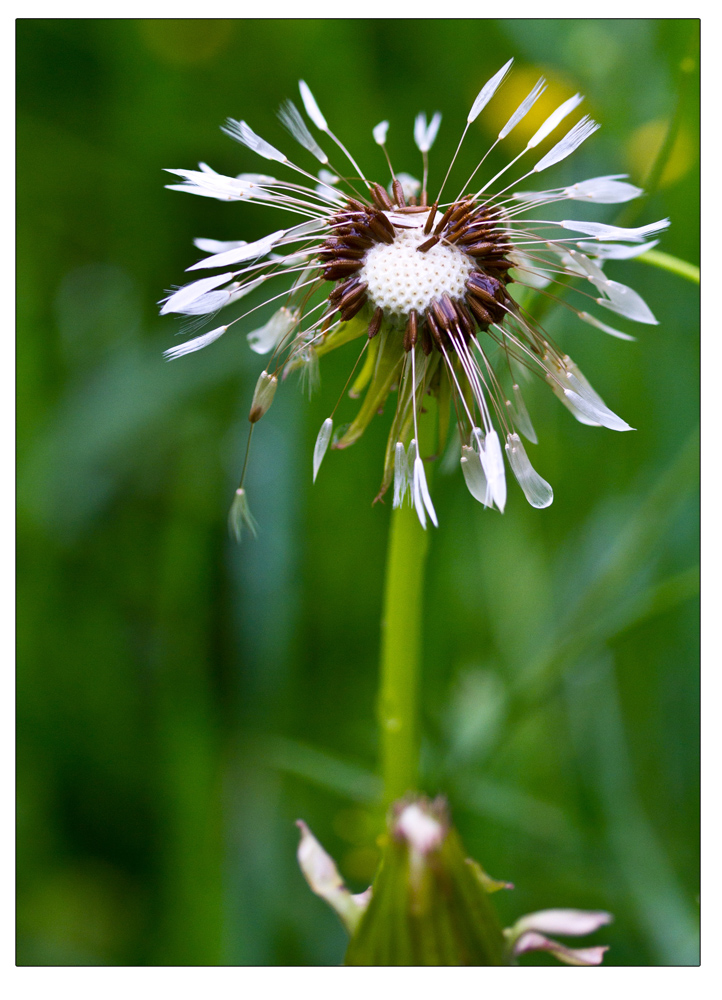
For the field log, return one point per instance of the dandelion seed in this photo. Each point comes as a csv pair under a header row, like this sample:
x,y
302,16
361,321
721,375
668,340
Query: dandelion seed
x,y
267,337
425,134
263,396
194,345
401,474
240,517
430,291
324,436
379,132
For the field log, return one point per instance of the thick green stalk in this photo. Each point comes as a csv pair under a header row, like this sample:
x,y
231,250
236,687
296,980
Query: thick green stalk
x,y
401,627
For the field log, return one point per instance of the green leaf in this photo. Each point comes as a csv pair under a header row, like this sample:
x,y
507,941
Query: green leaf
x,y
345,333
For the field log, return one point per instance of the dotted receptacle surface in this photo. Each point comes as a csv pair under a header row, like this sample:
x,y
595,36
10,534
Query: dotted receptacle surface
x,y
400,279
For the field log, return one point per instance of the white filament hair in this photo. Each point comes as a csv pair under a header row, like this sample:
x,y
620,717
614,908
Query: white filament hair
x,y
291,117
566,146
243,133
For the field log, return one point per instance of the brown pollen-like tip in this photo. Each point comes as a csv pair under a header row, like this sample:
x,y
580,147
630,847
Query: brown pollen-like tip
x,y
350,311
482,317
412,331
428,244
398,192
352,294
340,269
375,324
380,196
444,219
430,220
379,230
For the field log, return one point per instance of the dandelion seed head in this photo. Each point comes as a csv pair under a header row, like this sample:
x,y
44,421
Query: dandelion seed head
x,y
427,290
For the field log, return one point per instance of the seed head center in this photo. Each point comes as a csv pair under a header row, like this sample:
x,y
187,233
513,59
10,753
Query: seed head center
x,y
400,279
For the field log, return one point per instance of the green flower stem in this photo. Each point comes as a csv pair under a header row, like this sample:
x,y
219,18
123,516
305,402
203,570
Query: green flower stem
x,y
669,263
401,654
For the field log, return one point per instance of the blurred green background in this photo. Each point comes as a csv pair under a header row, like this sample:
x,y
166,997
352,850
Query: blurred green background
x,y
181,700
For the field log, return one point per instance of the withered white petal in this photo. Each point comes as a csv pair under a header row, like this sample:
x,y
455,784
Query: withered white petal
x,y
207,304
201,192
254,179
322,875
574,923
577,413
574,390
531,941
210,184
432,130
326,177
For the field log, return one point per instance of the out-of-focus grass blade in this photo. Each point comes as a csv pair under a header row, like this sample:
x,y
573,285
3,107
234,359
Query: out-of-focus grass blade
x,y
320,768
663,912
604,607
517,809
